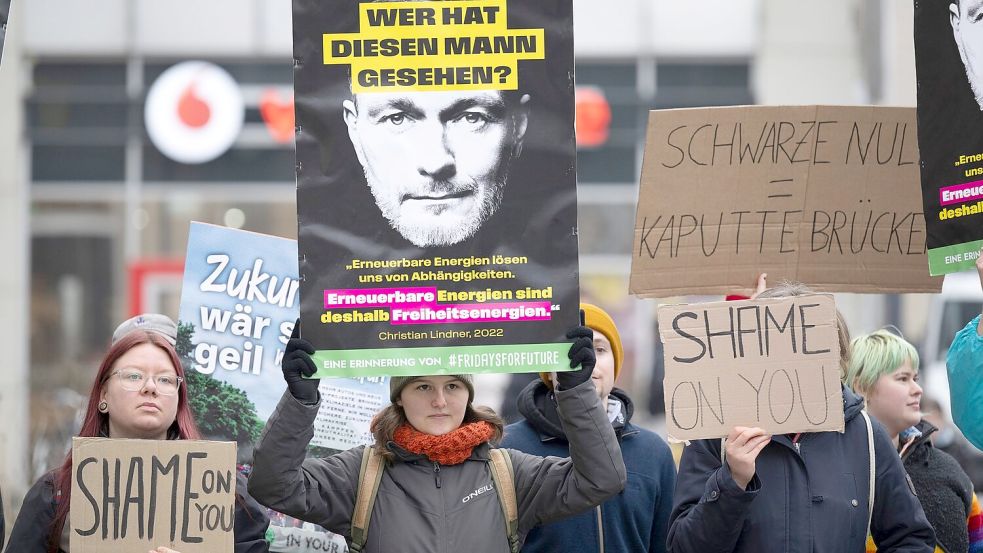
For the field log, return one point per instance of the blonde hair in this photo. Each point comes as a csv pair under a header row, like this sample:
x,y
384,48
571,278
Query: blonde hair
x,y
386,421
874,355
792,289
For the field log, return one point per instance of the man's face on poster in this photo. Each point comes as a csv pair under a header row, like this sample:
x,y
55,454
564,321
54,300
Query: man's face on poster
x,y
437,162
966,17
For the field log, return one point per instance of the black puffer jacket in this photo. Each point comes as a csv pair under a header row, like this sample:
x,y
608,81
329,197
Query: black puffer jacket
x,y
944,489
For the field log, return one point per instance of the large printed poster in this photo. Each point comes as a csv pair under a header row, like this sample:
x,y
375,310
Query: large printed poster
x,y
436,184
949,65
239,301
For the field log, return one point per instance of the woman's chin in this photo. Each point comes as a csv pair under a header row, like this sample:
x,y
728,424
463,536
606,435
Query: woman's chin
x,y
146,432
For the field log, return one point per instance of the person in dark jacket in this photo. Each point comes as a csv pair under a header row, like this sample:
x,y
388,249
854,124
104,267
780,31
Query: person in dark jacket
x,y
437,493
948,439
883,369
140,367
636,519
804,493
3,527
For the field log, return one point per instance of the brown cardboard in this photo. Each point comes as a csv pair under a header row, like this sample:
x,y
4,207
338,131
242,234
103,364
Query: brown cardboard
x,y
182,490
761,380
711,218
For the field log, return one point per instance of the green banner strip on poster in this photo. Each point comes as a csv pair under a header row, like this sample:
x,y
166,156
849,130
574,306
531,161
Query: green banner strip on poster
x,y
952,259
506,358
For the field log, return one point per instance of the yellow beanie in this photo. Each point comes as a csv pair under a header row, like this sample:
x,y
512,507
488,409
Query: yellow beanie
x,y
598,320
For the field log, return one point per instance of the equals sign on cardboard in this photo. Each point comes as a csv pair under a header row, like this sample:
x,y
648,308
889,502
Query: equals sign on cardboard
x,y
780,181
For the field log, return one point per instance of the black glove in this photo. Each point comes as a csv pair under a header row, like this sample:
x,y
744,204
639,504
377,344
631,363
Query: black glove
x,y
296,364
581,353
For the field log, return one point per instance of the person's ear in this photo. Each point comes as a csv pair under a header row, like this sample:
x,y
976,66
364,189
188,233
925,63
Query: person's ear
x,y
350,113
520,121
954,20
399,402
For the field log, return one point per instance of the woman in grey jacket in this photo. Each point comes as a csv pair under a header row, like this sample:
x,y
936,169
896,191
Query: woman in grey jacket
x,y
437,492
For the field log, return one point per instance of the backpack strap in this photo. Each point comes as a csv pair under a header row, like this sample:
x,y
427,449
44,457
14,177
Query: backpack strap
x,y
872,464
369,477
504,477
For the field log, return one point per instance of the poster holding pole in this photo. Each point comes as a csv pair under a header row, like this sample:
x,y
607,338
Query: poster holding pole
x,y
436,185
949,68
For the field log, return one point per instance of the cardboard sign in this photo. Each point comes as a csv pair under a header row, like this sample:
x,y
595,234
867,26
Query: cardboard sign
x,y
827,196
137,495
950,131
772,363
436,195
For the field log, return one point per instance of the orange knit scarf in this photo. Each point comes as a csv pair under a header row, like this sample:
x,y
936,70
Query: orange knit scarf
x,y
449,449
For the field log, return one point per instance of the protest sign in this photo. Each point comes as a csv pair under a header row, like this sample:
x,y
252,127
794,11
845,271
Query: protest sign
x,y
771,363
436,185
304,539
950,131
239,301
136,495
823,195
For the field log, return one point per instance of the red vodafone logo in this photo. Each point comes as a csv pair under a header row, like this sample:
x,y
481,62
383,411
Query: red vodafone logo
x,y
194,112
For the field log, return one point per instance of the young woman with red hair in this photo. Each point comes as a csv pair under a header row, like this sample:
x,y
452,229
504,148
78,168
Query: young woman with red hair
x,y
138,393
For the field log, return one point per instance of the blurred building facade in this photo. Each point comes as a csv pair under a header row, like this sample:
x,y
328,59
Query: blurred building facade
x,y
100,216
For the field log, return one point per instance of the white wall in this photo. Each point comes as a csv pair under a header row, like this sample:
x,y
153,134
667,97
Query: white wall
x,y
213,28
809,53
714,28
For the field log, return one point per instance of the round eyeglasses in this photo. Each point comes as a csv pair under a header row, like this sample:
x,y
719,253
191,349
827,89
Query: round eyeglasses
x,y
133,380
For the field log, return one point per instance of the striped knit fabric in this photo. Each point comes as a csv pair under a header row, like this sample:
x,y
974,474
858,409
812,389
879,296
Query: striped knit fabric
x,y
871,548
974,526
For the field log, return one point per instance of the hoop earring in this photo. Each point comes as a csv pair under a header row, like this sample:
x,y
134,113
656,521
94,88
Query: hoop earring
x,y
103,406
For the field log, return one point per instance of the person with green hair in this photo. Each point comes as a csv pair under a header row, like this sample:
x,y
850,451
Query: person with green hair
x,y
883,369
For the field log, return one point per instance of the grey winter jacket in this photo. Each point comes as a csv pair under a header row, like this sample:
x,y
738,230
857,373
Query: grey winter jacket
x,y
430,508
